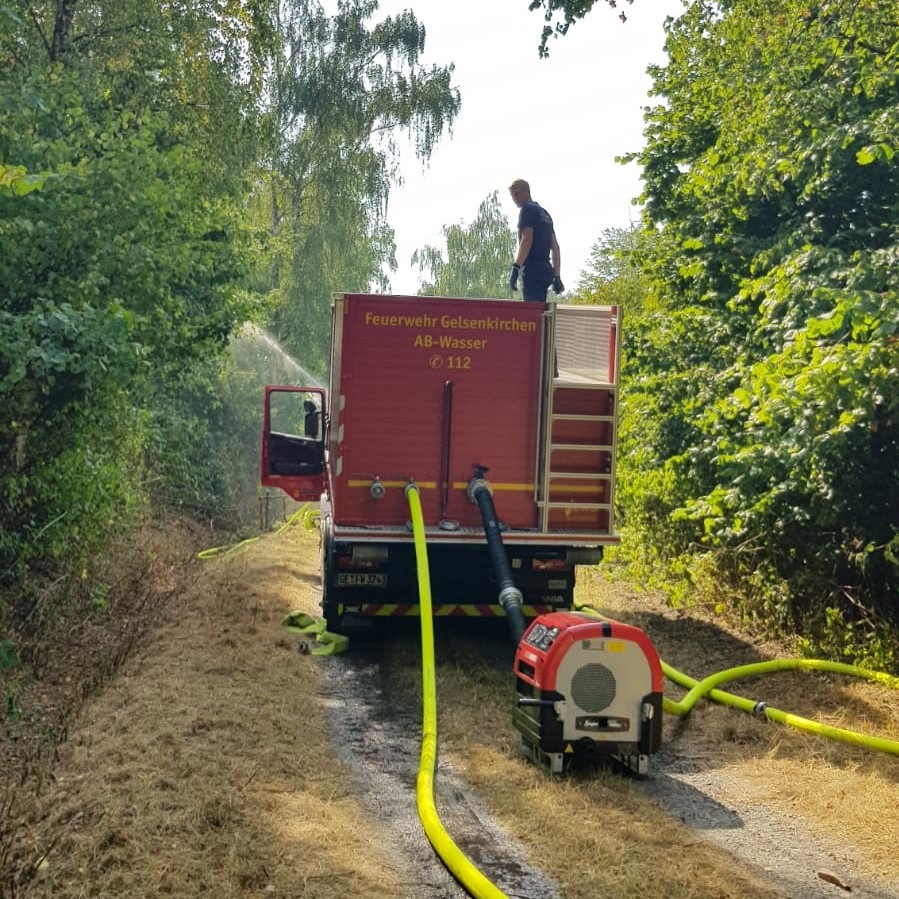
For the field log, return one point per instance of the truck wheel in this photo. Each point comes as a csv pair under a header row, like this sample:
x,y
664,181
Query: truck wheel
x,y
326,562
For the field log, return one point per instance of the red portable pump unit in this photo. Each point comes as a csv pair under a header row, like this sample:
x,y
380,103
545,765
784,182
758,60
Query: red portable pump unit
x,y
587,689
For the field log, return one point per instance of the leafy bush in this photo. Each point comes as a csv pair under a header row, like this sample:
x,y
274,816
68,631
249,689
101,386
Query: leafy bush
x,y
760,419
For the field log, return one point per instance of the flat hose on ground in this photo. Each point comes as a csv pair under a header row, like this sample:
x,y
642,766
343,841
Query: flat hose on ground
x,y
474,882
304,511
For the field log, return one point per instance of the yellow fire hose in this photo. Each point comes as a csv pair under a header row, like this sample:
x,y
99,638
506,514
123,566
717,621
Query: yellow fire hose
x,y
452,856
225,550
707,687
308,514
326,643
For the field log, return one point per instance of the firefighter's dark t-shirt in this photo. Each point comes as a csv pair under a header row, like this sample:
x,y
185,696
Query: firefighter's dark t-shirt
x,y
537,271
533,215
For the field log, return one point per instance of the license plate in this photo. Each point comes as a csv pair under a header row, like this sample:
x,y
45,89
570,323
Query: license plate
x,y
366,579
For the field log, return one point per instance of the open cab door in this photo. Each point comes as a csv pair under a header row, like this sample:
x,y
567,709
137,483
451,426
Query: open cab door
x,y
293,441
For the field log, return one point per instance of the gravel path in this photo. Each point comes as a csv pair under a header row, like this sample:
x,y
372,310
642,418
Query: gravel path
x,y
380,744
777,846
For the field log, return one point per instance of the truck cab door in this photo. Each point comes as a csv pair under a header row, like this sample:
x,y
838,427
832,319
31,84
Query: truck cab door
x,y
293,441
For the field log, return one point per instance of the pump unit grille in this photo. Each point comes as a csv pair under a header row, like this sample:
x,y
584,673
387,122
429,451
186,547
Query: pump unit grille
x,y
593,687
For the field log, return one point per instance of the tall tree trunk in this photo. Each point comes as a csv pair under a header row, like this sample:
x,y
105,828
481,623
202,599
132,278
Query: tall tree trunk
x,y
62,29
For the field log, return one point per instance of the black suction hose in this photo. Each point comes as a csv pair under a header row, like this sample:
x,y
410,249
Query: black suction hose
x,y
509,594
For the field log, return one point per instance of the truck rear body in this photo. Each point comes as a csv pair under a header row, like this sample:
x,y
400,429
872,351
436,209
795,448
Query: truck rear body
x,y
436,390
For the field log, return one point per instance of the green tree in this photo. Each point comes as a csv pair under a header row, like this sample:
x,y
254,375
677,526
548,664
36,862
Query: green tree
x,y
772,191
125,270
167,172
476,260
613,276
560,15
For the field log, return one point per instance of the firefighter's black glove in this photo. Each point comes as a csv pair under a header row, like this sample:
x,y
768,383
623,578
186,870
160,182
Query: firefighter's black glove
x,y
513,277
558,286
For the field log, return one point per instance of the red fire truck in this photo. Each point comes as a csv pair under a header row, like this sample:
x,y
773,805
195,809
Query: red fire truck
x,y
516,398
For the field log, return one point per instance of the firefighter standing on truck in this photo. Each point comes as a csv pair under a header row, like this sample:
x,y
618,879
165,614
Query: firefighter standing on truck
x,y
538,258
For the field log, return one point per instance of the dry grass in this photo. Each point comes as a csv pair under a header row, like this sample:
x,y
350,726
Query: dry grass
x,y
204,768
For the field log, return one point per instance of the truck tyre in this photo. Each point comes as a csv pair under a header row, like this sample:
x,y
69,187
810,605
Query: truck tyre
x,y
326,562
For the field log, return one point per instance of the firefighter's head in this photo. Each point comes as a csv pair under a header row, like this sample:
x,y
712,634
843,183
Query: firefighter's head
x,y
520,191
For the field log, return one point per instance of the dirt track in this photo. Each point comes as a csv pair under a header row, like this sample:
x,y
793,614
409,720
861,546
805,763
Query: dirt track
x,y
223,762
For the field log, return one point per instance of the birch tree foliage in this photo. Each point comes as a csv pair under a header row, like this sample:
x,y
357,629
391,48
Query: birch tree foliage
x,y
560,15
613,277
475,261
